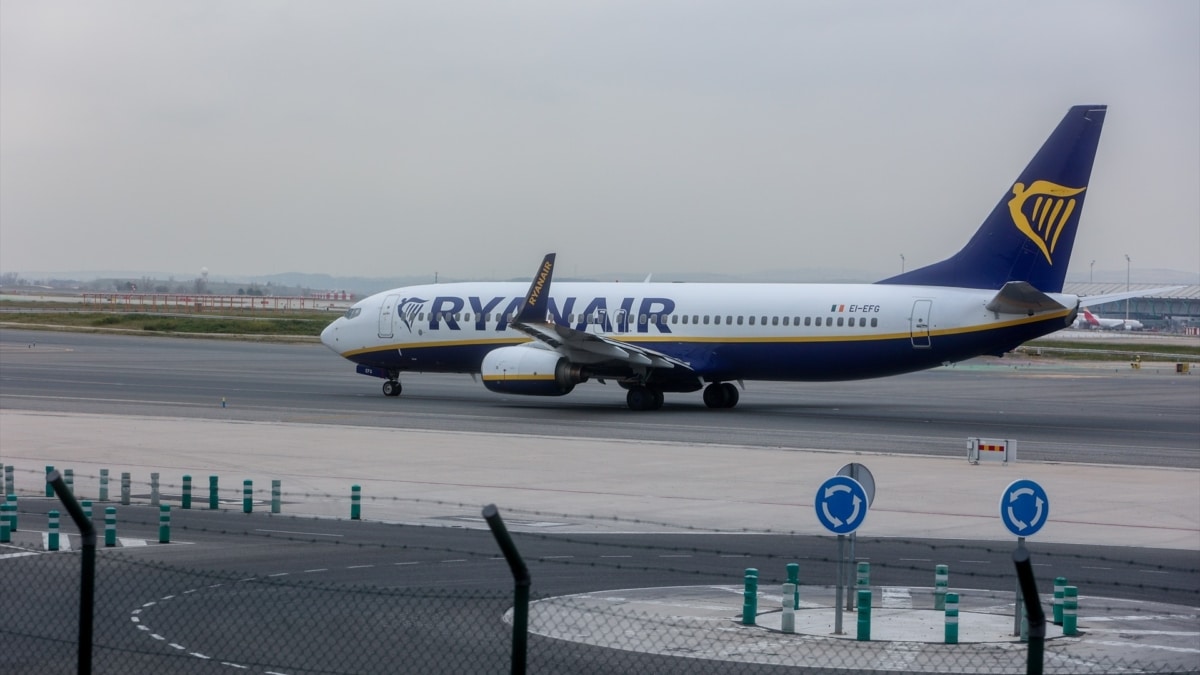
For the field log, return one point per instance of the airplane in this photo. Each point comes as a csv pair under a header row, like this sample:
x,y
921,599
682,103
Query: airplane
x,y
999,291
1089,320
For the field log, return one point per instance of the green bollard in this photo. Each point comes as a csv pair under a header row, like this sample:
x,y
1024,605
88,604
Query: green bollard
x,y
276,495
212,492
787,622
247,496
69,479
49,487
164,523
103,485
941,584
110,526
11,502
5,535
125,488
355,502
1070,610
952,618
9,487
1060,585
793,577
52,537
864,615
864,576
750,597
87,509
186,501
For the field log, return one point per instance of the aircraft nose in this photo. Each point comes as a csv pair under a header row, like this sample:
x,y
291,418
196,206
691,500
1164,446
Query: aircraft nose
x,y
329,336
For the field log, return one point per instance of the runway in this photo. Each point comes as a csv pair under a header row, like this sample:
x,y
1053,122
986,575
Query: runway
x,y
601,498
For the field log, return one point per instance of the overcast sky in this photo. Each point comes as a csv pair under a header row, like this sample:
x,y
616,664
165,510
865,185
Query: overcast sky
x,y
469,138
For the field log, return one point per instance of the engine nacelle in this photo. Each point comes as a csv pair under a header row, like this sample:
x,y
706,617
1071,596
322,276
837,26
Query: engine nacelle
x,y
530,371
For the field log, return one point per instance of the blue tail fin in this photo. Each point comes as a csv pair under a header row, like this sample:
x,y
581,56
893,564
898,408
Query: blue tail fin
x,y
1030,233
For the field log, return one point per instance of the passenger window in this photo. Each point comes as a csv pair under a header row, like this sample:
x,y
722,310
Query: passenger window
x,y
775,321
818,321
785,320
739,320
862,323
653,319
840,320
696,319
751,321
684,319
808,321
716,320
874,322
705,319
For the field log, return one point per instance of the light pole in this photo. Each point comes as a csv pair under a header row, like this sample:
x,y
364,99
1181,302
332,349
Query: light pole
x,y
902,263
1092,272
1127,263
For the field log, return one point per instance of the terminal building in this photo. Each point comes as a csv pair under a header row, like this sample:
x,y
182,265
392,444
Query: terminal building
x,y
1176,311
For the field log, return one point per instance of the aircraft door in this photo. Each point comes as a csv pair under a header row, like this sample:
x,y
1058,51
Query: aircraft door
x,y
387,313
919,324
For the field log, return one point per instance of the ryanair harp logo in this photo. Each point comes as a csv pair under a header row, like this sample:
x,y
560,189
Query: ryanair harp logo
x,y
1041,211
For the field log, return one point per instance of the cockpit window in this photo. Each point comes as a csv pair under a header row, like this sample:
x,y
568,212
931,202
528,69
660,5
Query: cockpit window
x,y
353,312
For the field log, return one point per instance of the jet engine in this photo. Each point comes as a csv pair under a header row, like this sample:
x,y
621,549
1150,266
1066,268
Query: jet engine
x,y
531,371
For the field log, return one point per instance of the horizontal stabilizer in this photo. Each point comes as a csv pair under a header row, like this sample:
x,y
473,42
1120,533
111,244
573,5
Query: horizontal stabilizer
x,y
1020,297
1093,300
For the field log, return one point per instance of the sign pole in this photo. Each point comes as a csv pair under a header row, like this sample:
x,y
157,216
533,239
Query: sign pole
x,y
849,564
841,569
1019,599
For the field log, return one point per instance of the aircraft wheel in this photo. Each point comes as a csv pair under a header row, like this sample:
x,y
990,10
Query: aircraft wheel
x,y
730,394
658,399
391,388
640,398
714,395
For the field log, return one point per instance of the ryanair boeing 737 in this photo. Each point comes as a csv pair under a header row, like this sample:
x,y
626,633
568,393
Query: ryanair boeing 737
x,y
1001,290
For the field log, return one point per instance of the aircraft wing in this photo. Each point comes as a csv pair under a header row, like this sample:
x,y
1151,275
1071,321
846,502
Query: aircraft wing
x,y
579,346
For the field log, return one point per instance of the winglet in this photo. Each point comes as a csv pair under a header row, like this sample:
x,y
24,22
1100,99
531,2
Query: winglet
x,y
537,300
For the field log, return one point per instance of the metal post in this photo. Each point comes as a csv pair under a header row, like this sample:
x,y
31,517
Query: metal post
x,y
941,584
52,526
186,500
110,526
212,492
247,496
521,592
750,597
276,495
124,488
1017,594
951,637
864,615
49,488
837,600
853,539
788,621
164,523
154,489
1037,618
1060,586
355,502
87,575
103,485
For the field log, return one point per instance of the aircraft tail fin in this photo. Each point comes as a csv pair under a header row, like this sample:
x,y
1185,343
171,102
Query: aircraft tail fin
x,y
1031,231
537,300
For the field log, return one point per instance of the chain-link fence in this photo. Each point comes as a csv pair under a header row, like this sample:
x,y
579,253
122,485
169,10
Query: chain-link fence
x,y
443,602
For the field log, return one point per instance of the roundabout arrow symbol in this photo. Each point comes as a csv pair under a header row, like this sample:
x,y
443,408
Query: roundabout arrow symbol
x,y
1013,517
830,516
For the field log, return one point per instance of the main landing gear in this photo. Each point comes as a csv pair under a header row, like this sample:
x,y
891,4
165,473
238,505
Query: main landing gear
x,y
720,395
392,388
643,398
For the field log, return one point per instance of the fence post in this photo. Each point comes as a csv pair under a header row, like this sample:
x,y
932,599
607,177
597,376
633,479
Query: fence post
x,y
787,622
154,489
1070,610
49,487
521,581
247,496
951,618
355,502
1060,586
124,488
750,597
164,523
1027,585
52,527
87,575
941,584
103,485
186,500
864,615
212,492
276,495
110,526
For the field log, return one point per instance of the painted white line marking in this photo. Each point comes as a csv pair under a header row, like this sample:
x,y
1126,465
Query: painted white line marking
x,y
557,557
234,665
143,627
1127,645
976,562
358,567
131,543
407,563
897,597
674,555
307,534
156,636
167,597
199,655
1153,572
1094,568
629,556
179,647
135,619
916,559
150,604
279,574
455,560
319,569
19,555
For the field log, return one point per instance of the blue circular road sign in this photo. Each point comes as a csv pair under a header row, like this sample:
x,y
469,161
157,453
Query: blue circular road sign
x,y
1024,507
841,504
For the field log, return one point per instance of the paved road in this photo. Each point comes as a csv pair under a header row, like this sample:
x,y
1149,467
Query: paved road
x,y
1059,412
